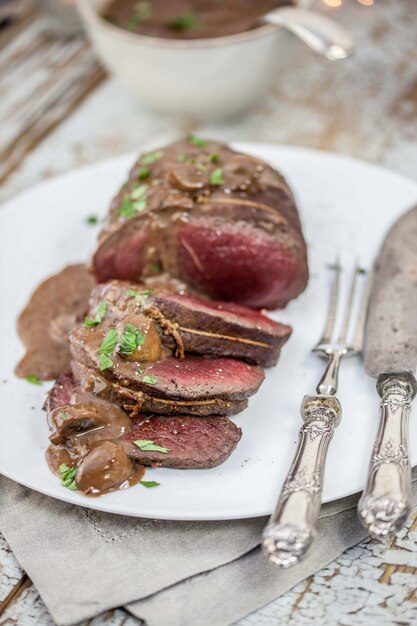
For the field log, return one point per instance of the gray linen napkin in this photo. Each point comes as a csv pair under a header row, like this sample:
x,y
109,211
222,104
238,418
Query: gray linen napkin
x,y
85,562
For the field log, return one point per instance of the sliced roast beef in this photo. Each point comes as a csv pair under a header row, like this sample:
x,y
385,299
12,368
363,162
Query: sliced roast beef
x,y
204,327
191,442
224,223
195,384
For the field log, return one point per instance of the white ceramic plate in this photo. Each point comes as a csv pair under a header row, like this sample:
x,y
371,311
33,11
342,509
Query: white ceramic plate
x,y
346,207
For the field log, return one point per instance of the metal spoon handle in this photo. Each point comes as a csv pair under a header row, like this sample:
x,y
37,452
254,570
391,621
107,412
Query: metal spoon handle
x,y
320,33
292,527
385,502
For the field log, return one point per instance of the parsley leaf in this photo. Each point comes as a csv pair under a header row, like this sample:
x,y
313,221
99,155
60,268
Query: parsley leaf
x,y
152,157
98,318
183,158
155,267
201,167
143,172
149,380
68,475
92,220
134,202
106,348
105,362
126,209
142,11
34,380
214,158
149,483
184,22
139,297
196,141
63,416
149,446
109,342
216,177
131,339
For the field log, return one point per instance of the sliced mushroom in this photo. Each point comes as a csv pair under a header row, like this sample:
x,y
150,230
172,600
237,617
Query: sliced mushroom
x,y
104,468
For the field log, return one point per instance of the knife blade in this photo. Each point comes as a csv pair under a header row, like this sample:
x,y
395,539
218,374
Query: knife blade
x,y
390,353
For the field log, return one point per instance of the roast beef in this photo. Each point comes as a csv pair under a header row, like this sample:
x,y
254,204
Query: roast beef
x,y
192,384
192,442
204,327
224,223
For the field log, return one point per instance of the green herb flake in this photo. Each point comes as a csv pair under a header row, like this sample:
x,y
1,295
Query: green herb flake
x,y
138,193
68,475
92,220
183,158
142,11
109,342
149,483
99,316
184,22
143,173
63,416
127,209
193,140
149,379
216,177
152,157
214,158
201,167
34,380
130,340
105,362
155,267
139,297
149,446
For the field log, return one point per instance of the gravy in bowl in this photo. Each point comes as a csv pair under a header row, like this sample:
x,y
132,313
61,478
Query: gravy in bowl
x,y
189,19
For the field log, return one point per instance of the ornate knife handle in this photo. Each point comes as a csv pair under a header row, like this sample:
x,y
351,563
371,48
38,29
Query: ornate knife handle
x,y
385,502
292,527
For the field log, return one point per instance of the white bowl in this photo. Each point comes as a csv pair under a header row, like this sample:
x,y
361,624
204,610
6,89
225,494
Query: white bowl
x,y
203,78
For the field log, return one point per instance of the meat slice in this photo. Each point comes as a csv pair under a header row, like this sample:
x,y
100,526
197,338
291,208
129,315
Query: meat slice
x,y
223,222
206,327
61,392
192,442
193,380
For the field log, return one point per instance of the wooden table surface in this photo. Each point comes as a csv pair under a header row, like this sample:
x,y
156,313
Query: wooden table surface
x,y
365,107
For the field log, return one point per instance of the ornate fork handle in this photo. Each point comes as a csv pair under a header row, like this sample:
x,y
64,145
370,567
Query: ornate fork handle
x,y
292,527
385,502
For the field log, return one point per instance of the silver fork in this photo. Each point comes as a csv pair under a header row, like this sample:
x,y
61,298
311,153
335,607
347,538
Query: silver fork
x,y
293,526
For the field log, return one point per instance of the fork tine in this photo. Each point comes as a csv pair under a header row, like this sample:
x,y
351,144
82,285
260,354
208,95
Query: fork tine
x,y
349,305
334,297
359,332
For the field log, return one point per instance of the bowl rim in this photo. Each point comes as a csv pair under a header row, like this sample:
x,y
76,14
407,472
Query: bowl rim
x,y
91,16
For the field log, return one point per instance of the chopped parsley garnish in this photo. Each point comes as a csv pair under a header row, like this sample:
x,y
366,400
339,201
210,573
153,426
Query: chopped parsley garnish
x,y
193,140
143,173
155,267
201,167
106,348
149,446
216,177
183,158
68,475
140,297
134,202
149,379
34,380
63,416
142,11
98,318
131,339
184,22
214,158
92,220
152,157
149,483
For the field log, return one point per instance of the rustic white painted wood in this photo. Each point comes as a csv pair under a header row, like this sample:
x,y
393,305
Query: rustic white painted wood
x,y
366,107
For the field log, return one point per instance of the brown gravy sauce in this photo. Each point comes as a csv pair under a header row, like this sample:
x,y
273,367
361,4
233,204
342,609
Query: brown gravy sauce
x,y
54,309
189,19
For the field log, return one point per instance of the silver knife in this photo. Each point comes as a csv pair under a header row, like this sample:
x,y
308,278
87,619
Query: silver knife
x,y
390,353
